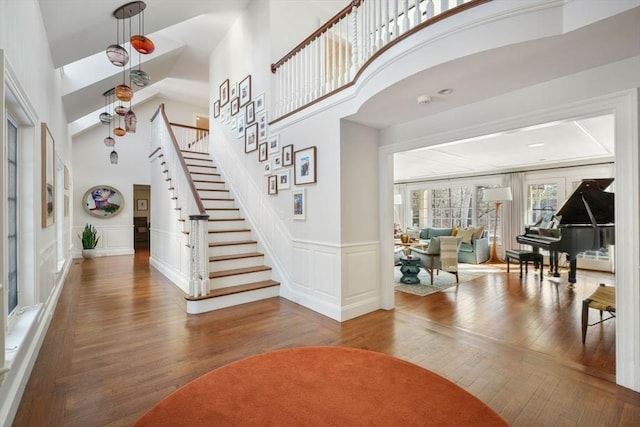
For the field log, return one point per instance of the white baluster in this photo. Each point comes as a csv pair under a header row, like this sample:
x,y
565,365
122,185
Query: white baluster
x,y
459,2
444,5
405,16
385,22
372,31
396,27
417,16
430,9
334,59
355,48
319,65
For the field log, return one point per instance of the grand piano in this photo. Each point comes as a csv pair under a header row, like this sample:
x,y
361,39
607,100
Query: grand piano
x,y
584,222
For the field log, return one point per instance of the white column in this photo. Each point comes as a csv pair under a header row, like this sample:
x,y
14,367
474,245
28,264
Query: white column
x,y
405,16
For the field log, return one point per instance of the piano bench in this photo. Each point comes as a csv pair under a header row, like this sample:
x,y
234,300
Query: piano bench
x,y
522,256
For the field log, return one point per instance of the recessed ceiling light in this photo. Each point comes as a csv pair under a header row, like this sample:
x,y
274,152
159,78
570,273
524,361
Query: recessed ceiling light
x,y
536,144
446,91
424,99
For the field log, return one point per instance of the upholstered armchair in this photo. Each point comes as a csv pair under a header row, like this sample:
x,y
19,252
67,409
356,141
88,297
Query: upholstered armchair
x,y
441,254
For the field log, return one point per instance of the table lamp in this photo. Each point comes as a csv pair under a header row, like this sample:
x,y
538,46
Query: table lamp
x,y
497,195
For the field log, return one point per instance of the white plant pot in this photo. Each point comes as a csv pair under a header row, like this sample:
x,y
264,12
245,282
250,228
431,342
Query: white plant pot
x,y
88,253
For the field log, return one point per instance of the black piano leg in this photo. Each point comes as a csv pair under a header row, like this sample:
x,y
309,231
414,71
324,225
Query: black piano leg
x,y
553,263
572,269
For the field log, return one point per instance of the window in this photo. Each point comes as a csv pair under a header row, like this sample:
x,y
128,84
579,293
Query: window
x,y
12,216
451,207
542,202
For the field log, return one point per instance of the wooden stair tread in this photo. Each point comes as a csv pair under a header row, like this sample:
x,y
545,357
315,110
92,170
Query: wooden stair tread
x,y
232,243
230,290
202,166
216,199
238,271
221,209
226,219
235,230
236,256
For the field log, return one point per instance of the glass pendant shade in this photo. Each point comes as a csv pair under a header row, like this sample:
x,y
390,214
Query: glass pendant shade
x,y
124,93
105,118
119,131
113,157
117,55
120,110
109,142
130,121
140,78
142,44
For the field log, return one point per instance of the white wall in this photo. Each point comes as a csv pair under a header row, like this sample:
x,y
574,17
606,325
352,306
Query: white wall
x,y
37,89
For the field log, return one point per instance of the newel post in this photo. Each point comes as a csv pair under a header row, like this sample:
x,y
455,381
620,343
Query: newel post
x,y
198,256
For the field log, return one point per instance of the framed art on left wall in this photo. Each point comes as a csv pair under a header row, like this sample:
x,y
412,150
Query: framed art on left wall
x,y
48,176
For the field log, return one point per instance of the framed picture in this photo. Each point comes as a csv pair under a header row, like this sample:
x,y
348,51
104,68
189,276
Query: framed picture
x,y
262,126
48,176
251,138
245,91
234,123
299,199
142,204
224,93
103,201
67,178
240,127
251,112
216,109
277,162
305,166
259,102
267,168
227,115
272,181
262,155
287,155
235,106
233,90
274,143
284,179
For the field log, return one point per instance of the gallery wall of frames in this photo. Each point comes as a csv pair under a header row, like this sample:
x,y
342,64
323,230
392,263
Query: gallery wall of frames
x,y
284,166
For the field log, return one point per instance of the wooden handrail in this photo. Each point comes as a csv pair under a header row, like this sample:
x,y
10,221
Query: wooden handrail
x,y
188,127
176,146
330,23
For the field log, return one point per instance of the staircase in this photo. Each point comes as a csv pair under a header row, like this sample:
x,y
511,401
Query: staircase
x,y
236,269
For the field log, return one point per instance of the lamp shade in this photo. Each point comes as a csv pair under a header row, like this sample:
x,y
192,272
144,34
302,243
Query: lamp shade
x,y
142,44
499,194
117,55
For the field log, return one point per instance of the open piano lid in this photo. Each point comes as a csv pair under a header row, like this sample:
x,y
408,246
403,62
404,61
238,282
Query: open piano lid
x,y
589,204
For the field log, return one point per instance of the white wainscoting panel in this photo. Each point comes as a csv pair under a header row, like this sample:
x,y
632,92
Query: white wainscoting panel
x,y
327,274
301,269
170,256
361,288
114,240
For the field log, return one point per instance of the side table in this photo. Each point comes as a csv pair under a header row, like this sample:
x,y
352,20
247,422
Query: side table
x,y
409,270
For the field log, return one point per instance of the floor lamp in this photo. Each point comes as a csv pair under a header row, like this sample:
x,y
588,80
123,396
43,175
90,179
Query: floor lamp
x,y
497,195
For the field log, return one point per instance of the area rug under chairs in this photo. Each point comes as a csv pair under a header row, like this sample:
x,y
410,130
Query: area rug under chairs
x,y
441,281
310,386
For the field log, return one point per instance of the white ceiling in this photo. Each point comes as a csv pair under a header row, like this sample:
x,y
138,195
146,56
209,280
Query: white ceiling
x,y
582,141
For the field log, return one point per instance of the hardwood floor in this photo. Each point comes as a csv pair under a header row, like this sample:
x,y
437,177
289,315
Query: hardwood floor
x,y
120,341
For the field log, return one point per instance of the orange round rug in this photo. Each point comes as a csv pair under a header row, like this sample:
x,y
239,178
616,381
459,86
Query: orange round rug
x,y
320,386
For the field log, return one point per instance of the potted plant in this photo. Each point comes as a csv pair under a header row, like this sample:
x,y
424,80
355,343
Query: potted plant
x,y
89,239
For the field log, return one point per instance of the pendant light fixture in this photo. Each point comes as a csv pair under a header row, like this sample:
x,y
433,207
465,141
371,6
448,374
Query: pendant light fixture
x,y
130,118
140,42
108,141
105,117
116,53
113,157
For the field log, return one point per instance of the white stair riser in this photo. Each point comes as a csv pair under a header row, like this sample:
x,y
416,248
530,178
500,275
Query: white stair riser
x,y
224,214
231,236
202,169
198,162
233,249
208,185
226,225
211,304
218,204
232,264
240,279
211,194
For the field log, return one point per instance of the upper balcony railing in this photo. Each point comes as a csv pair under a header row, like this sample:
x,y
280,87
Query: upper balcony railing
x,y
332,58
